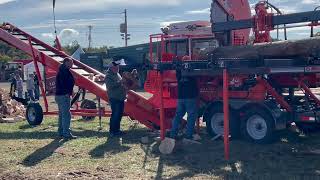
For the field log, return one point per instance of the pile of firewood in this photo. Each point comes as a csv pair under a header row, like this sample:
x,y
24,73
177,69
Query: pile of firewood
x,y
10,110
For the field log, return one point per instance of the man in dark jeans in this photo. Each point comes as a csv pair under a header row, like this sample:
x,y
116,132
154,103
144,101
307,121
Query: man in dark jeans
x,y
64,89
117,95
188,95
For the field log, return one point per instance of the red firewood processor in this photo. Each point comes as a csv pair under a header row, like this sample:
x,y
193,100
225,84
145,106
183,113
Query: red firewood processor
x,y
265,86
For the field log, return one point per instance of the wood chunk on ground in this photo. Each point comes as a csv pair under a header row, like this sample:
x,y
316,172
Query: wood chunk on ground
x,y
10,110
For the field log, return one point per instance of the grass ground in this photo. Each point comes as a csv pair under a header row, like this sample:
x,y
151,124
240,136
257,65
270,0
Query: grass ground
x,y
35,153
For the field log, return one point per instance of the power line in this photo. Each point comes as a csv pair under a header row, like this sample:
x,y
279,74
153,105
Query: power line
x,y
113,13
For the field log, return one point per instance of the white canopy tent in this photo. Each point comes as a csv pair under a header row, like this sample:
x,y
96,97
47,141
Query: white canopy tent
x,y
77,53
30,68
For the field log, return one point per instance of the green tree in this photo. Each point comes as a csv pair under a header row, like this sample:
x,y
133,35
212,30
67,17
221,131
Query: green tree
x,y
12,52
5,58
70,49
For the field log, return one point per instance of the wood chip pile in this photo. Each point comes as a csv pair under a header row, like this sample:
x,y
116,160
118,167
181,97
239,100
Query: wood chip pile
x,y
10,110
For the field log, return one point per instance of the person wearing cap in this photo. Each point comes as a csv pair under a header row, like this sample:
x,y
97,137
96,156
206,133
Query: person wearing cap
x,y
117,94
64,89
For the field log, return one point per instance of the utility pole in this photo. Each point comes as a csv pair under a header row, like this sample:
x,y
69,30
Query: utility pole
x,y
126,25
124,29
89,36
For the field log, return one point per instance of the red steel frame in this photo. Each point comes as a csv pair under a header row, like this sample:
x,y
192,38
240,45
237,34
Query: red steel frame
x,y
257,93
163,38
168,103
75,112
263,23
226,114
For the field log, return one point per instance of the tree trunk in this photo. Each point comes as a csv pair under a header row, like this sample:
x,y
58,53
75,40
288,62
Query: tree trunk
x,y
281,49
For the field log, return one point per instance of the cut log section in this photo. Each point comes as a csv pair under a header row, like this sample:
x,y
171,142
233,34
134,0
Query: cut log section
x,y
167,146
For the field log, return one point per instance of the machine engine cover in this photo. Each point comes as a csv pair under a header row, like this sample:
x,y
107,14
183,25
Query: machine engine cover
x,y
230,10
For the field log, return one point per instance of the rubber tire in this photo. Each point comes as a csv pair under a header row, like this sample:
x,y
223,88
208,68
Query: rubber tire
x,y
234,123
34,114
308,127
88,104
270,123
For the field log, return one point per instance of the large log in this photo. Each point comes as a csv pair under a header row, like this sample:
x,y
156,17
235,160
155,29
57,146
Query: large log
x,y
305,48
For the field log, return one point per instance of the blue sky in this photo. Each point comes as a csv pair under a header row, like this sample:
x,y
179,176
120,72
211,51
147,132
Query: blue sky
x,y
144,17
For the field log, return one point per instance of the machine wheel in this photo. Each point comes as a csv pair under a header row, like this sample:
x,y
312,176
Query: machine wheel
x,y
308,127
215,121
34,114
258,126
88,104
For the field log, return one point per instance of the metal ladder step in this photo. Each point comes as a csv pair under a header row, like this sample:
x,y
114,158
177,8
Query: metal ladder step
x,y
19,34
55,55
36,44
44,49
76,67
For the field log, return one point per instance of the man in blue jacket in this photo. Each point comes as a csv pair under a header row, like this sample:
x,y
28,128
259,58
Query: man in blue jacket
x,y
64,89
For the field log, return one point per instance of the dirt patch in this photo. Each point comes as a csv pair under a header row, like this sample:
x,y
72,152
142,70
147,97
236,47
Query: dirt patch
x,y
13,176
110,172
81,174
99,173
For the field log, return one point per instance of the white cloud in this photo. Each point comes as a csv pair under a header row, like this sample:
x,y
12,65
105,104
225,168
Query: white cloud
x,y
310,1
288,9
199,11
5,1
167,23
85,5
66,35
